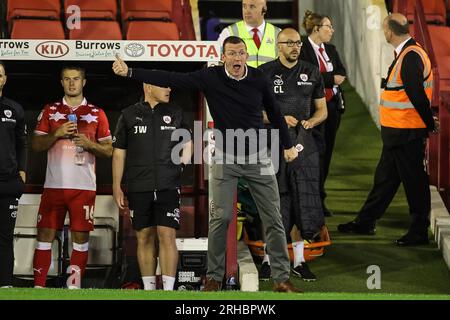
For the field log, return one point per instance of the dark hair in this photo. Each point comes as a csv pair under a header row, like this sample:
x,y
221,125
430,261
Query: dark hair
x,y
233,40
312,20
77,68
397,28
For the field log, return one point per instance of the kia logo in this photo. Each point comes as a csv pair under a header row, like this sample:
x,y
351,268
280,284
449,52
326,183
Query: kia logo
x,y
52,49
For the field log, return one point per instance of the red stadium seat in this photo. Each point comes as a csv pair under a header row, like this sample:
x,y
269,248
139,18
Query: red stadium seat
x,y
440,36
443,63
144,9
434,10
97,30
47,9
152,30
37,29
98,9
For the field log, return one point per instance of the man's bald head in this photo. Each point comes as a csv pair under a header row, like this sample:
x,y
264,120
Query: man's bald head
x,y
288,34
289,46
398,24
253,12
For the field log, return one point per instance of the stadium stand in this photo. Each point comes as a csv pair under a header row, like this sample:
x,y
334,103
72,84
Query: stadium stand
x,y
28,19
182,17
101,19
435,11
45,9
440,36
152,30
37,29
99,9
97,30
143,9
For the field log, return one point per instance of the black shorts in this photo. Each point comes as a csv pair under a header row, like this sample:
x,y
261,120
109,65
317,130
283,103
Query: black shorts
x,y
158,208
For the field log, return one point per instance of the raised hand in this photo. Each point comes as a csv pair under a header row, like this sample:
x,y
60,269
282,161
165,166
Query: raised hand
x,y
120,67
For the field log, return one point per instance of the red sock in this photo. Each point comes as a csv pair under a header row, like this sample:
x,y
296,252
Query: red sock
x,y
41,262
79,258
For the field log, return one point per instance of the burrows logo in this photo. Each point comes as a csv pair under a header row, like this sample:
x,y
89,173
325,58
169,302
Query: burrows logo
x,y
52,49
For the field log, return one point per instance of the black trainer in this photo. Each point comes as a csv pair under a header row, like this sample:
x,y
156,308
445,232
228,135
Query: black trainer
x,y
412,240
354,227
264,272
303,272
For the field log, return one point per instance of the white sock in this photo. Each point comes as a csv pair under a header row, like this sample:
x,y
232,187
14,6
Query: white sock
x,y
168,282
266,256
298,253
149,282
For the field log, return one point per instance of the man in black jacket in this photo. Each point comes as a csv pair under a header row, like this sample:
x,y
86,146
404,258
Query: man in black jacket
x,y
406,120
143,145
12,176
237,95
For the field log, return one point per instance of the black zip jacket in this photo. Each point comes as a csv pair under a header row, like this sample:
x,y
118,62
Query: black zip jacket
x,y
233,104
13,140
146,135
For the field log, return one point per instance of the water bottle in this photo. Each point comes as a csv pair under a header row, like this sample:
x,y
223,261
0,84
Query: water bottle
x,y
79,151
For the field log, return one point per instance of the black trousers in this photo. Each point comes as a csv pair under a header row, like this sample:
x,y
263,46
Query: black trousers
x,y
329,130
400,164
10,191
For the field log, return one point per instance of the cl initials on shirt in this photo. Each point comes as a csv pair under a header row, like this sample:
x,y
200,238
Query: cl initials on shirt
x,y
140,129
278,89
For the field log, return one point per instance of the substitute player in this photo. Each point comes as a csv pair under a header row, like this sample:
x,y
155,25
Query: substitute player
x,y
73,132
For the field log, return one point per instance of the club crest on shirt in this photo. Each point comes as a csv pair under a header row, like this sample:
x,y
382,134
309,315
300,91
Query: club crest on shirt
x,y
167,119
299,147
8,113
304,77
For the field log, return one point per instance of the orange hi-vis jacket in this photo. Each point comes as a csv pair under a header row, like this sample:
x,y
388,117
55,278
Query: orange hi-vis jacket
x,y
396,110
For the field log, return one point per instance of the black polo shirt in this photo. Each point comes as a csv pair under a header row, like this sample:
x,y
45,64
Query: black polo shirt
x,y
145,133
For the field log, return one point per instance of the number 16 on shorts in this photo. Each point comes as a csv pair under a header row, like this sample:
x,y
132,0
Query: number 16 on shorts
x,y
89,213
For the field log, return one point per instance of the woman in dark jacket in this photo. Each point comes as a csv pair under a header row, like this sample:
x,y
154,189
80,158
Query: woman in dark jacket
x,y
319,52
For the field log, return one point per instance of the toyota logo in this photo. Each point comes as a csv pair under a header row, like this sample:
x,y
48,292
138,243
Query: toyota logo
x,y
134,50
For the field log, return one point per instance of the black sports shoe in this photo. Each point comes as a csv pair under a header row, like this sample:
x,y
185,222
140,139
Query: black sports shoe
x,y
303,272
354,227
264,272
412,240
